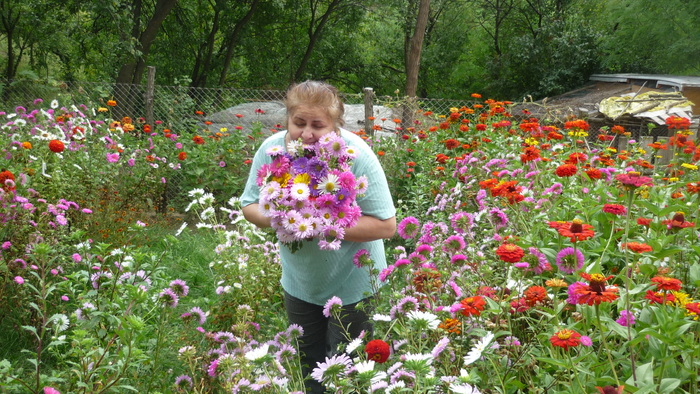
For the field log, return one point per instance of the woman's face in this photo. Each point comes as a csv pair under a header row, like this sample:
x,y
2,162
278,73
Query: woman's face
x,y
309,124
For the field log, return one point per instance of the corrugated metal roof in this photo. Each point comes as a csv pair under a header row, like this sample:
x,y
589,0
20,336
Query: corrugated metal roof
x,y
653,80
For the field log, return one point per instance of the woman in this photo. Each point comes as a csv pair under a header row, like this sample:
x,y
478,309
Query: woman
x,y
311,276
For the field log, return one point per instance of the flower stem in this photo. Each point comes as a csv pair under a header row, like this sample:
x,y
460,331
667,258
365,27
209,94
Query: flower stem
x,y
605,343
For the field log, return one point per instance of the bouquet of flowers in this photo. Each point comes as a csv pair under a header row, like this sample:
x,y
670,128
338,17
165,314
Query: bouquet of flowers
x,y
309,192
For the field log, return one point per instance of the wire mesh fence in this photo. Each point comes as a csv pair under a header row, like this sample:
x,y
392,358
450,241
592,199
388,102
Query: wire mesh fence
x,y
183,108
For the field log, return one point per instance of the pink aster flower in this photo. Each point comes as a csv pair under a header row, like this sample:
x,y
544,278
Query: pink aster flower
x,y
334,303
408,227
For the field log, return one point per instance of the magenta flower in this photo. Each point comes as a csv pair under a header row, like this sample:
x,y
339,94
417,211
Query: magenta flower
x,y
19,280
570,260
408,227
626,318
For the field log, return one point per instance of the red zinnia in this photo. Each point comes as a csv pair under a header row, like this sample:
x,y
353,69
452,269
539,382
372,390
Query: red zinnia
x,y
182,155
659,297
677,122
377,350
666,284
530,154
594,173
565,170
510,253
452,143
596,291
693,307
636,247
643,222
615,209
56,146
576,230
6,175
565,339
198,140
472,306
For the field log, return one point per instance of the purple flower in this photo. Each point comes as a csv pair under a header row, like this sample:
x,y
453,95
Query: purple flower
x,y
332,304
179,287
498,218
19,280
51,390
112,157
168,297
183,382
626,318
6,245
440,347
569,260
339,364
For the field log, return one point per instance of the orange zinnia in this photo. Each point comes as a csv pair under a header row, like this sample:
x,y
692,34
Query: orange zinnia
x,y
472,306
636,247
535,294
596,291
677,221
664,283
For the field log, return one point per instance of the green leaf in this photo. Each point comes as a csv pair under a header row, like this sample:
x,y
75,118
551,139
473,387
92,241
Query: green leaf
x,y
695,274
32,329
668,385
645,374
667,251
554,361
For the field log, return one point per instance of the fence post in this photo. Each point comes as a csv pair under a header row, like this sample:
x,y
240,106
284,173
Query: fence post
x,y
369,111
150,87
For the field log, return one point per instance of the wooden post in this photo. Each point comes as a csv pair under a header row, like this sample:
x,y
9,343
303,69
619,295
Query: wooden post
x,y
369,111
150,87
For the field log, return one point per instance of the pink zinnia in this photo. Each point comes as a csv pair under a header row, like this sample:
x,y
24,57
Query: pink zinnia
x,y
634,179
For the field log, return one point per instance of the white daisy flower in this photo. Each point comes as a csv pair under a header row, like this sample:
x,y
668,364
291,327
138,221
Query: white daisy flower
x,y
475,353
300,191
329,184
257,354
196,193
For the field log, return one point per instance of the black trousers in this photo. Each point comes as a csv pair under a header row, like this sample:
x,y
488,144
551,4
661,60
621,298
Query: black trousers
x,y
322,335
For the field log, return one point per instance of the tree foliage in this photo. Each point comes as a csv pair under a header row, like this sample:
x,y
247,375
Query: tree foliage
x,y
500,48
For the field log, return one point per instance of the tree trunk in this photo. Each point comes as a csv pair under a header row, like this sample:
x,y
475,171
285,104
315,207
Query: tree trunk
x,y
132,70
232,40
314,35
415,48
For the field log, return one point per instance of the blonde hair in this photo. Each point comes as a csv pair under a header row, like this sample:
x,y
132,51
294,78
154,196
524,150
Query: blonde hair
x,y
316,94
